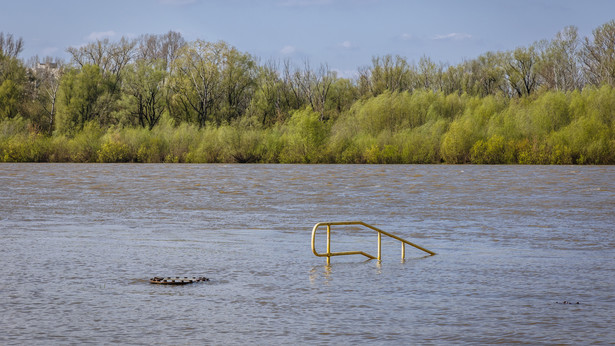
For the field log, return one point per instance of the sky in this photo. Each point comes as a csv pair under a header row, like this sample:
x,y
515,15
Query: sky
x,y
344,34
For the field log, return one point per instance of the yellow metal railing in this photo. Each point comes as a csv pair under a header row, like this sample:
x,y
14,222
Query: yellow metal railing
x,y
328,254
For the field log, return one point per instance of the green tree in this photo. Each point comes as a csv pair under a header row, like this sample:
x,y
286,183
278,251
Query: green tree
x,y
430,74
486,75
110,57
494,150
304,138
342,94
387,73
11,95
162,48
238,82
549,113
453,80
267,102
521,71
196,80
81,93
145,90
467,129
422,144
212,82
13,78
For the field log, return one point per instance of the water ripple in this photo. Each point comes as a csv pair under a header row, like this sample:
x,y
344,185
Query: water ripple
x,y
79,243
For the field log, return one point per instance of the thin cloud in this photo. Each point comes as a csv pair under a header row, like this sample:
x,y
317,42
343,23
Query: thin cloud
x,y
407,37
288,50
455,36
347,45
101,35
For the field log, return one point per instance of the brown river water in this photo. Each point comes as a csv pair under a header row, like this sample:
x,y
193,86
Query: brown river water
x,y
79,242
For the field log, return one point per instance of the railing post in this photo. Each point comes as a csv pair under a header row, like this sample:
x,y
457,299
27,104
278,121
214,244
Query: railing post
x,y
379,244
328,244
403,250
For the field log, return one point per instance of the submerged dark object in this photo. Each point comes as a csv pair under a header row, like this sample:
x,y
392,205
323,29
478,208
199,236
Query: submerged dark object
x,y
176,280
566,302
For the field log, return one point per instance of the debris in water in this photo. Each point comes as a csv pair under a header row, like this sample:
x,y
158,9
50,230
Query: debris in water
x,y
176,280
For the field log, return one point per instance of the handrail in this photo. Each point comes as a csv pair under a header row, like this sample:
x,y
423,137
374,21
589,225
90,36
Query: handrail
x,y
328,254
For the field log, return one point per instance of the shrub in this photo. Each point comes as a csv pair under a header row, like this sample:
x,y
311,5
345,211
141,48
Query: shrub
x,y
304,137
495,150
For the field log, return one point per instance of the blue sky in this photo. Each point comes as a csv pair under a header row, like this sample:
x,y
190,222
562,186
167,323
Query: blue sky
x,y
345,34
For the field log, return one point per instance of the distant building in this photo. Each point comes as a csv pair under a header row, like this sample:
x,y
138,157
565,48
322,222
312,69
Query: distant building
x,y
47,68
47,65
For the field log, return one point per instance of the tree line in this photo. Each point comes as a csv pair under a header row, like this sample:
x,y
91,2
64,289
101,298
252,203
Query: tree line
x,y
159,98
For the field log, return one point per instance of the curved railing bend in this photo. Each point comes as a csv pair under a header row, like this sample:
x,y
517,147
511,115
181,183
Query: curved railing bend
x,y
329,254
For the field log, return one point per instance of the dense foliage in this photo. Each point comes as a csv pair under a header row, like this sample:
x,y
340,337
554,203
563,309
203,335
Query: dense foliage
x,y
161,99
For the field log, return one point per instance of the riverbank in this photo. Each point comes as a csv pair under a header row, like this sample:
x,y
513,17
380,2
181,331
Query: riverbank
x,y
393,128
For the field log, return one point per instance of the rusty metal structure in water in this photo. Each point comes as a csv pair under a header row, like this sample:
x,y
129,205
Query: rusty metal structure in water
x,y
176,280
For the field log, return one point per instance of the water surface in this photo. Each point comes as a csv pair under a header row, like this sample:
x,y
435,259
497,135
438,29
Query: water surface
x,y
79,242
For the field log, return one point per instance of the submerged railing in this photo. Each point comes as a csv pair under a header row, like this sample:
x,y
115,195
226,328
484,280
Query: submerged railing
x,y
329,254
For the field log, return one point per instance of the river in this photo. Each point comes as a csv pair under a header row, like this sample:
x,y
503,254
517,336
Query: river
x,y
79,243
